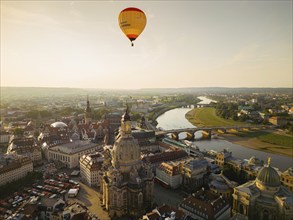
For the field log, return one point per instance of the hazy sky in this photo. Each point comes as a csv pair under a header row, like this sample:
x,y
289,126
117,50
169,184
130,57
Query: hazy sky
x,y
184,44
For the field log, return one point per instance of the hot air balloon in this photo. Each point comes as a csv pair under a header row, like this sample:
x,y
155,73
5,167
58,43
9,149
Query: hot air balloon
x,y
132,21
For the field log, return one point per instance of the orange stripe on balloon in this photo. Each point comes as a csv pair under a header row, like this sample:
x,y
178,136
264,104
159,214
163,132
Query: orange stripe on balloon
x,y
132,36
132,9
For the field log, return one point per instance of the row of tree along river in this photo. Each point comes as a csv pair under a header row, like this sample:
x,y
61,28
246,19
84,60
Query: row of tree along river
x,y
175,119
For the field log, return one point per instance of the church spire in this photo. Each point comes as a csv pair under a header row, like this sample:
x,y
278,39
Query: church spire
x,y
87,111
87,102
88,108
126,122
126,116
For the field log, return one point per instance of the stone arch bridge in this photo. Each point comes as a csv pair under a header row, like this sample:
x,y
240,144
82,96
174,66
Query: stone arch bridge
x,y
207,131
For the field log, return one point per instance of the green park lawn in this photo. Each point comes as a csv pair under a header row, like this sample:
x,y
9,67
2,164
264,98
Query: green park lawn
x,y
206,117
272,138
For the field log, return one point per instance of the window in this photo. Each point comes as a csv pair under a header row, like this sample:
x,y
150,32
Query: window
x,y
140,198
265,215
241,209
115,200
124,197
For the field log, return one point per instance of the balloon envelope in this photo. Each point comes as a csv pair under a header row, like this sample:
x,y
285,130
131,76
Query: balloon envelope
x,y
132,22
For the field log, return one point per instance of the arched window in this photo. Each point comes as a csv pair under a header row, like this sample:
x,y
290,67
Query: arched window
x,y
241,209
140,198
124,198
265,215
115,199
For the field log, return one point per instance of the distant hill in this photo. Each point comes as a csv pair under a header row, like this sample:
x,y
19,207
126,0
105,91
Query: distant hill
x,y
223,90
24,92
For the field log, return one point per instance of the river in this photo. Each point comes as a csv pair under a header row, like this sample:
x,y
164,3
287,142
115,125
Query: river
x,y
175,118
205,100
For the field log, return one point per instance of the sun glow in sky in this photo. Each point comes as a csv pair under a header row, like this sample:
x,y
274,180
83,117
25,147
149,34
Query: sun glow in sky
x,y
185,44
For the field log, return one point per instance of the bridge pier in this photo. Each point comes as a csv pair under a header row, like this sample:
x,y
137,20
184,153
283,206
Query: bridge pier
x,y
175,136
209,134
222,130
192,136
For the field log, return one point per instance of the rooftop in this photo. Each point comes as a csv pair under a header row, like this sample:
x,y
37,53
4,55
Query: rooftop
x,y
12,161
58,124
74,147
166,211
205,204
249,188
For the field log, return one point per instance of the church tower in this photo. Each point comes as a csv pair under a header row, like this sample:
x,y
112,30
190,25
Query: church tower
x,y
127,185
87,112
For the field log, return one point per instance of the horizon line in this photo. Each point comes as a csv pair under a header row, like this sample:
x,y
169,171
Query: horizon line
x,y
148,88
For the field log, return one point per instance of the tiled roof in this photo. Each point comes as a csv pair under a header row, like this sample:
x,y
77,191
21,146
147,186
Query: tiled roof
x,y
205,204
166,156
74,147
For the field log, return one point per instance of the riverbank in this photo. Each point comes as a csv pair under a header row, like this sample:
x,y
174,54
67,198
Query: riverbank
x,y
256,144
267,141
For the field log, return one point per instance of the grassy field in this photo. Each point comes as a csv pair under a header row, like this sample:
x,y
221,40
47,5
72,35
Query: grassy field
x,y
272,138
267,141
206,117
264,142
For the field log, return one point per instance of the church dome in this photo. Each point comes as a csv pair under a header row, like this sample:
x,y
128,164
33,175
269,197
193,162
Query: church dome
x,y
58,124
268,176
126,153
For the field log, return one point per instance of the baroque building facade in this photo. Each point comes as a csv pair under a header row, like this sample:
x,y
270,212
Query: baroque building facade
x,y
264,198
90,168
14,167
287,178
26,146
127,183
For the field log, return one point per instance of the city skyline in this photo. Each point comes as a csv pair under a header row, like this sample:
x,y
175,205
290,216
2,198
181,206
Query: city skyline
x,y
185,44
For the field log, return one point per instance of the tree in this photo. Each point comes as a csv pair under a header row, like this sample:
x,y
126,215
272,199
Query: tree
x,y
18,131
34,114
243,117
45,114
235,117
135,116
36,133
99,113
